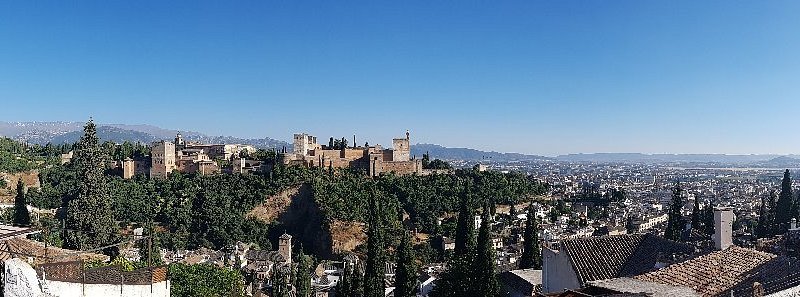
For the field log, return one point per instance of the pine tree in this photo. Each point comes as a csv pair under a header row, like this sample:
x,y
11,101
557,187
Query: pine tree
x,y
406,273
375,272
302,280
531,251
783,213
485,280
675,221
21,215
696,214
89,217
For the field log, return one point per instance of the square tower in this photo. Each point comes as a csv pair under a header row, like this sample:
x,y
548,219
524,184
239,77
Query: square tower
x,y
723,225
163,159
285,247
401,148
304,143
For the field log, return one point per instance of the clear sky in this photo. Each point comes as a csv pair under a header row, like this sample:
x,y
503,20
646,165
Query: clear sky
x,y
541,77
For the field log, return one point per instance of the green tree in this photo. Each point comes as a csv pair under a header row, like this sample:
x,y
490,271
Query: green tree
x,y
531,251
675,221
21,215
630,225
709,219
406,272
150,247
281,285
783,211
465,227
302,280
485,280
89,217
772,227
696,214
204,280
375,271
762,228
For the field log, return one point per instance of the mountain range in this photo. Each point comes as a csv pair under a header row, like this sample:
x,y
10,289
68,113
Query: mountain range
x,y
68,132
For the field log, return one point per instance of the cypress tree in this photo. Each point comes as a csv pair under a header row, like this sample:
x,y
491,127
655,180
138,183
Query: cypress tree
x,y
375,272
458,280
696,214
531,252
675,222
406,273
302,280
761,226
783,213
772,227
465,227
280,282
485,281
709,219
89,217
21,215
630,227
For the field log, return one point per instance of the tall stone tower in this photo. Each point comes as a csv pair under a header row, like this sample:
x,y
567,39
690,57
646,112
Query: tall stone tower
x,y
401,148
723,222
128,168
163,159
285,247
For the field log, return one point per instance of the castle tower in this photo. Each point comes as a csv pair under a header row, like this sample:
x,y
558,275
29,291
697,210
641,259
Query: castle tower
x,y
163,159
179,143
128,168
401,148
285,247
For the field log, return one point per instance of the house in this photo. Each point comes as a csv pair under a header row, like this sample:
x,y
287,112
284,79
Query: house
x,y
573,263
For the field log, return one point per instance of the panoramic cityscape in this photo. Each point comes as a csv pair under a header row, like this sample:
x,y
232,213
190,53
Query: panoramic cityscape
x,y
399,149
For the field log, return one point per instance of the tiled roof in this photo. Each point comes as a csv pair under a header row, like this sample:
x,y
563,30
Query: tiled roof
x,y
23,248
605,257
631,285
733,269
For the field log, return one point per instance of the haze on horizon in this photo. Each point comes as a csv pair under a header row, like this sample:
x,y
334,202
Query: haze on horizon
x,y
533,77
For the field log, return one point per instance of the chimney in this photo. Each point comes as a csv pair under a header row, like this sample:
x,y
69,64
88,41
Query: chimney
x,y
723,227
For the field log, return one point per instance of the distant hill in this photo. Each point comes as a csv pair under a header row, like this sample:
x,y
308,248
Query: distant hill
x,y
779,162
662,158
447,153
67,132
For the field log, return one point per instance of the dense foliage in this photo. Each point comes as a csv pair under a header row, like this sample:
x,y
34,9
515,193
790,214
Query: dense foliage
x,y
204,280
424,198
17,157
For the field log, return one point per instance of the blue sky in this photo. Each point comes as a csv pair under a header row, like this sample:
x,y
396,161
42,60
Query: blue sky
x,y
541,77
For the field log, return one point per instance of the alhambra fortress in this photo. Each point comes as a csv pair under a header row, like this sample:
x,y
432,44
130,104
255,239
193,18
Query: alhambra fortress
x,y
192,157
373,159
